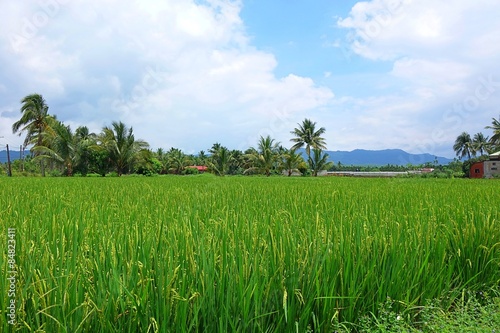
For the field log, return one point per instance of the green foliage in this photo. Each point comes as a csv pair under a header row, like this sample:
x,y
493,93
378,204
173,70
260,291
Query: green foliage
x,y
147,164
474,312
190,171
93,174
55,173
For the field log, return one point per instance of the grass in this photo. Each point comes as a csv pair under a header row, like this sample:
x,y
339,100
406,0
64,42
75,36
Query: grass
x,y
248,254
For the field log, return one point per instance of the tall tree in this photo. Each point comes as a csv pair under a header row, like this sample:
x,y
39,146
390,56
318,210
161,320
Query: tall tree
x,y
263,159
480,143
291,161
177,160
463,146
120,142
34,121
236,162
495,138
220,159
307,135
201,158
85,149
58,146
319,162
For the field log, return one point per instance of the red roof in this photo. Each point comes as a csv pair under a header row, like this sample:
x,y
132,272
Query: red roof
x,y
198,167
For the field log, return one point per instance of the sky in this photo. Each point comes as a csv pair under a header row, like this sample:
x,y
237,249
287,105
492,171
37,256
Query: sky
x,y
376,74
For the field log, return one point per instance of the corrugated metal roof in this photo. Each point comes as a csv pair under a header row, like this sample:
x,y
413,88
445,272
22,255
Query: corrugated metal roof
x,y
497,154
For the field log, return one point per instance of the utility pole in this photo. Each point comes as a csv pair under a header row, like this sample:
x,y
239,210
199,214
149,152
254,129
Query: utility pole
x,y
8,162
21,153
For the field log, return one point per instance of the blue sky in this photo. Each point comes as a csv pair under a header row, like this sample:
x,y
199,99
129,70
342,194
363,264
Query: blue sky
x,y
188,73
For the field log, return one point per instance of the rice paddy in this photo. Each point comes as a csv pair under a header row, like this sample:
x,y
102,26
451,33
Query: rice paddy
x,y
241,254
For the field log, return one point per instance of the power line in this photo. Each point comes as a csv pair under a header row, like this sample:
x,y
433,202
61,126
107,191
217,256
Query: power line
x,y
10,142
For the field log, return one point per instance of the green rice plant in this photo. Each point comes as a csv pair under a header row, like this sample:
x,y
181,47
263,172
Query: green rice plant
x,y
242,254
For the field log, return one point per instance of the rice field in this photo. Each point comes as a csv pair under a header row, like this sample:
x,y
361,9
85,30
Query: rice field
x,y
239,254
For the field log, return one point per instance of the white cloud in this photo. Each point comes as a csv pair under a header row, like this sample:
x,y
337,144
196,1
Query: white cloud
x,y
181,72
441,56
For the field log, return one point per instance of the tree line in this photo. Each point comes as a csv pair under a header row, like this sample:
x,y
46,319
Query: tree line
x,y
57,149
470,147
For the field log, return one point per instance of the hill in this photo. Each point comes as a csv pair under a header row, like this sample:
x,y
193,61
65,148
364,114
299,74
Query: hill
x,y
14,155
364,157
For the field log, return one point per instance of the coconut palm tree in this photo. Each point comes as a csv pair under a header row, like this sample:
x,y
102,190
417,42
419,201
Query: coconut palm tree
x,y
201,158
263,159
307,135
480,143
291,161
34,121
85,148
121,145
220,159
59,146
177,160
319,162
495,138
236,163
463,146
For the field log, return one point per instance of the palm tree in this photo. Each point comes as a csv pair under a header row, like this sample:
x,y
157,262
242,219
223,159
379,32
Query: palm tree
x,y
319,162
236,163
201,158
463,146
219,160
34,120
85,147
306,134
480,143
58,146
121,145
264,158
177,160
495,138
291,161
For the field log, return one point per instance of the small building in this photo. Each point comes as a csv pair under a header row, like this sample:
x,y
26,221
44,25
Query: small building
x,y
200,168
486,169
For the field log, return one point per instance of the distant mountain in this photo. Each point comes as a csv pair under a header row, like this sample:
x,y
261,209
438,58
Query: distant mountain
x,y
382,157
14,155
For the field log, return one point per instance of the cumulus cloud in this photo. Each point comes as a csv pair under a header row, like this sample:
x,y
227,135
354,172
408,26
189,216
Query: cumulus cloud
x,y
443,60
183,73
